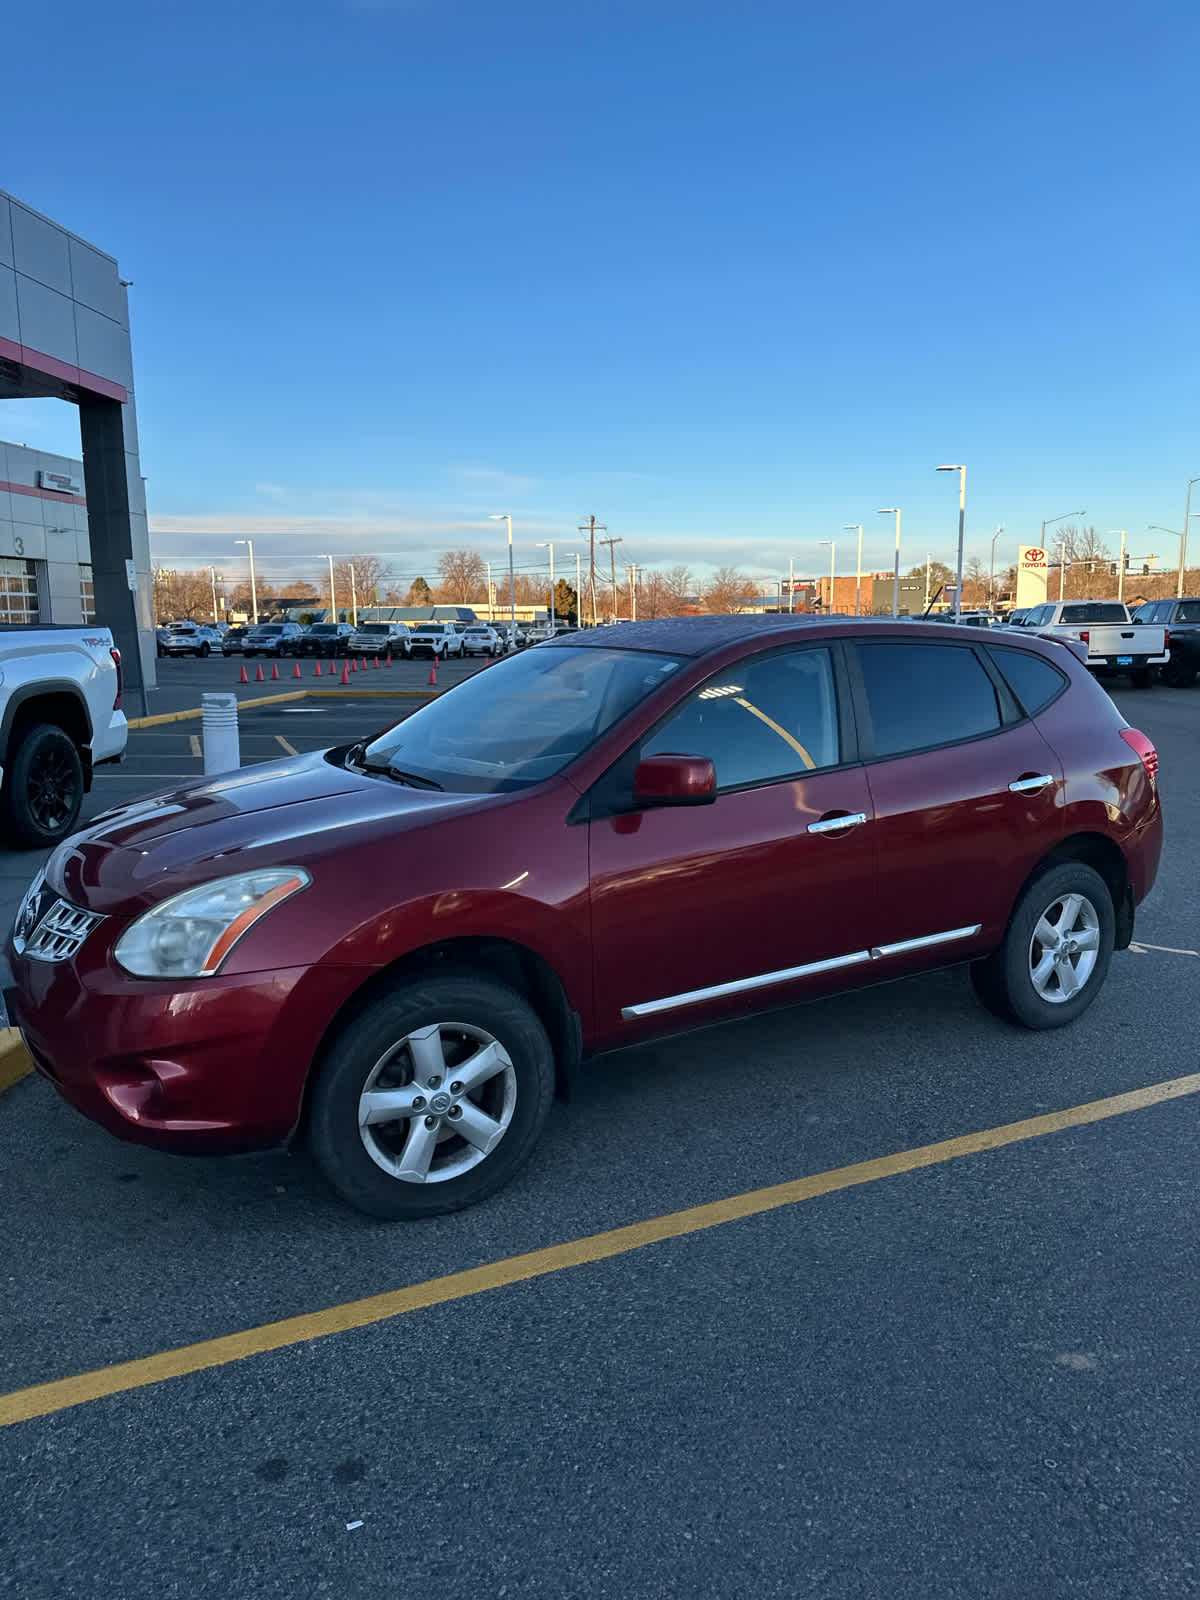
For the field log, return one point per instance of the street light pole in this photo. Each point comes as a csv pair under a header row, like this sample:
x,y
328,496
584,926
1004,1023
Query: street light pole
x,y
353,596
962,522
1121,567
791,583
548,544
832,543
992,568
503,516
332,592
849,527
212,578
578,591
1187,513
894,511
249,543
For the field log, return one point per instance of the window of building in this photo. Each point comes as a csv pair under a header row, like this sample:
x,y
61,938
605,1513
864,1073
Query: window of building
x,y
87,593
18,590
921,695
764,718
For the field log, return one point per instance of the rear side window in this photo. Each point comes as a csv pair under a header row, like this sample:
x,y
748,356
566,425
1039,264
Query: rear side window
x,y
921,695
1189,611
1034,681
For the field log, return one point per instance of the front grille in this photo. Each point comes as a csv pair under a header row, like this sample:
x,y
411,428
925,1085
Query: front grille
x,y
60,932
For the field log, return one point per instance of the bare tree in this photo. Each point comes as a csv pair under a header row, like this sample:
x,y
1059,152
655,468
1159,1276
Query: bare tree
x,y
184,595
370,579
727,590
464,576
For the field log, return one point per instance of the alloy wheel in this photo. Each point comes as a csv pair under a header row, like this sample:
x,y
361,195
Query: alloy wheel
x,y
437,1103
51,789
1064,948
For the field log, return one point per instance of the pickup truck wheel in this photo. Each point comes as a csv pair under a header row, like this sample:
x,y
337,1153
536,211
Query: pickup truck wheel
x,y
43,787
1142,677
432,1097
1056,953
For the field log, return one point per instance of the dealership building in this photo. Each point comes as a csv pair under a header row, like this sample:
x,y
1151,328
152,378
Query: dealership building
x,y
74,544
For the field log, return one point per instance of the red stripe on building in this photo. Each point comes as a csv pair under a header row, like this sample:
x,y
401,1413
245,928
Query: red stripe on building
x,y
41,494
52,367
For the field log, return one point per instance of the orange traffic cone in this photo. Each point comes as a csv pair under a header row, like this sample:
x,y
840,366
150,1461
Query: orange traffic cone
x,y
258,676
275,673
376,663
433,666
388,662
296,673
243,678
317,673
345,672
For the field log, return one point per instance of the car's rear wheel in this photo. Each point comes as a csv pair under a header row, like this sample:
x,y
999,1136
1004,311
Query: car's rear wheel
x,y
1056,953
432,1098
43,787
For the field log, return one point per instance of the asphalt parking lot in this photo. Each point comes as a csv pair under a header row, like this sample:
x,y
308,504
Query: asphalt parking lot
x,y
974,1377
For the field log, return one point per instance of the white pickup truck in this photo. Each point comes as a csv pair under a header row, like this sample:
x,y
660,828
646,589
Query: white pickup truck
x,y
1107,634
60,717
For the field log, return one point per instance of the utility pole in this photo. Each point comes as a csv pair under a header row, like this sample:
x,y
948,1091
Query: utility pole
x,y
578,593
633,576
612,556
591,527
212,574
928,575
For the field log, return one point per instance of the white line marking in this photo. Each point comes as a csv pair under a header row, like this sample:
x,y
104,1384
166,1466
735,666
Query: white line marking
x,y
290,748
1139,949
194,742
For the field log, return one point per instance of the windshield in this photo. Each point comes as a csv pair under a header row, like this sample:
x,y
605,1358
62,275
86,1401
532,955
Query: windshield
x,y
522,720
323,627
1095,611
269,627
373,627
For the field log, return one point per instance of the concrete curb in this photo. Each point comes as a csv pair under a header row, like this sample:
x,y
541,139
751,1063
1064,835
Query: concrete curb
x,y
161,718
14,1059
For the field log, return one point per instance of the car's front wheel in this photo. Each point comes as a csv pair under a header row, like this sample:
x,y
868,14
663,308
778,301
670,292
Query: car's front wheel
x,y
1056,953
432,1098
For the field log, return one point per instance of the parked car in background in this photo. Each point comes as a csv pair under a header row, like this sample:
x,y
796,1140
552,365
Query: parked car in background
x,y
1109,639
272,639
1016,619
324,639
61,717
191,639
232,640
393,948
439,639
379,639
481,639
1181,619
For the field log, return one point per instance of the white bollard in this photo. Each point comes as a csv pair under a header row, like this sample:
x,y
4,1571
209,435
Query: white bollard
x,y
220,725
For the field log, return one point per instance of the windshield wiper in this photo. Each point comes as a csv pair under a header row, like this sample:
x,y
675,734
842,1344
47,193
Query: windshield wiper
x,y
412,779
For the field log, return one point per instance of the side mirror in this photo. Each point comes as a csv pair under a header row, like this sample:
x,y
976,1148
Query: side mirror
x,y
672,780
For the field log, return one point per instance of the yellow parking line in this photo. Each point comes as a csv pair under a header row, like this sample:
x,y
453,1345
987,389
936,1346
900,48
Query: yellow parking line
x,y
194,744
44,1398
14,1059
290,748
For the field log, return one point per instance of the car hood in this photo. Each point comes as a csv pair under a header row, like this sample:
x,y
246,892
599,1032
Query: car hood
x,y
290,812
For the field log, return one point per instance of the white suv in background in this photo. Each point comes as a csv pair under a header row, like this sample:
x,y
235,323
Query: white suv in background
x,y
190,639
439,639
481,639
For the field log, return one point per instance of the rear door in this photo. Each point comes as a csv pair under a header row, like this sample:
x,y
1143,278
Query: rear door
x,y
965,791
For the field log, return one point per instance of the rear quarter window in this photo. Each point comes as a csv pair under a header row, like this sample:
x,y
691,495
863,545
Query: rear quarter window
x,y
1096,611
1031,678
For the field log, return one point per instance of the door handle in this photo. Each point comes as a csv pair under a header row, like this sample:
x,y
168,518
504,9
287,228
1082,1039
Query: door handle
x,y
1031,785
847,819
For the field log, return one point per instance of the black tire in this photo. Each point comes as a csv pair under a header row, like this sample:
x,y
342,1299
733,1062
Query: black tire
x,y
1004,982
458,998
204,651
1179,677
1142,677
43,787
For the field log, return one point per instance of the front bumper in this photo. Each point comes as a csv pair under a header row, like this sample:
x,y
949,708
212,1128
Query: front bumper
x,y
210,1066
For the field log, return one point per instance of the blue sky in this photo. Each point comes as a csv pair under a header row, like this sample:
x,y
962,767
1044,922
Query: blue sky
x,y
727,275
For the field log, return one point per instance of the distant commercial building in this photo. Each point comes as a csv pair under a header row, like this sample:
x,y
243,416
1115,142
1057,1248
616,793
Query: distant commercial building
x,y
74,544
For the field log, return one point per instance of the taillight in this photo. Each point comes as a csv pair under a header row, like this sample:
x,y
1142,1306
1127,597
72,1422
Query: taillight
x,y
1166,638
1085,637
116,655
1144,750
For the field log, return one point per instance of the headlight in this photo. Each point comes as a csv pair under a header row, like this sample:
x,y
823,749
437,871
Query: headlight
x,y
190,935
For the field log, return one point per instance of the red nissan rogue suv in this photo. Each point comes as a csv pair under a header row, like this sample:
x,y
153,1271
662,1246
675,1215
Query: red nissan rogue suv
x,y
394,946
